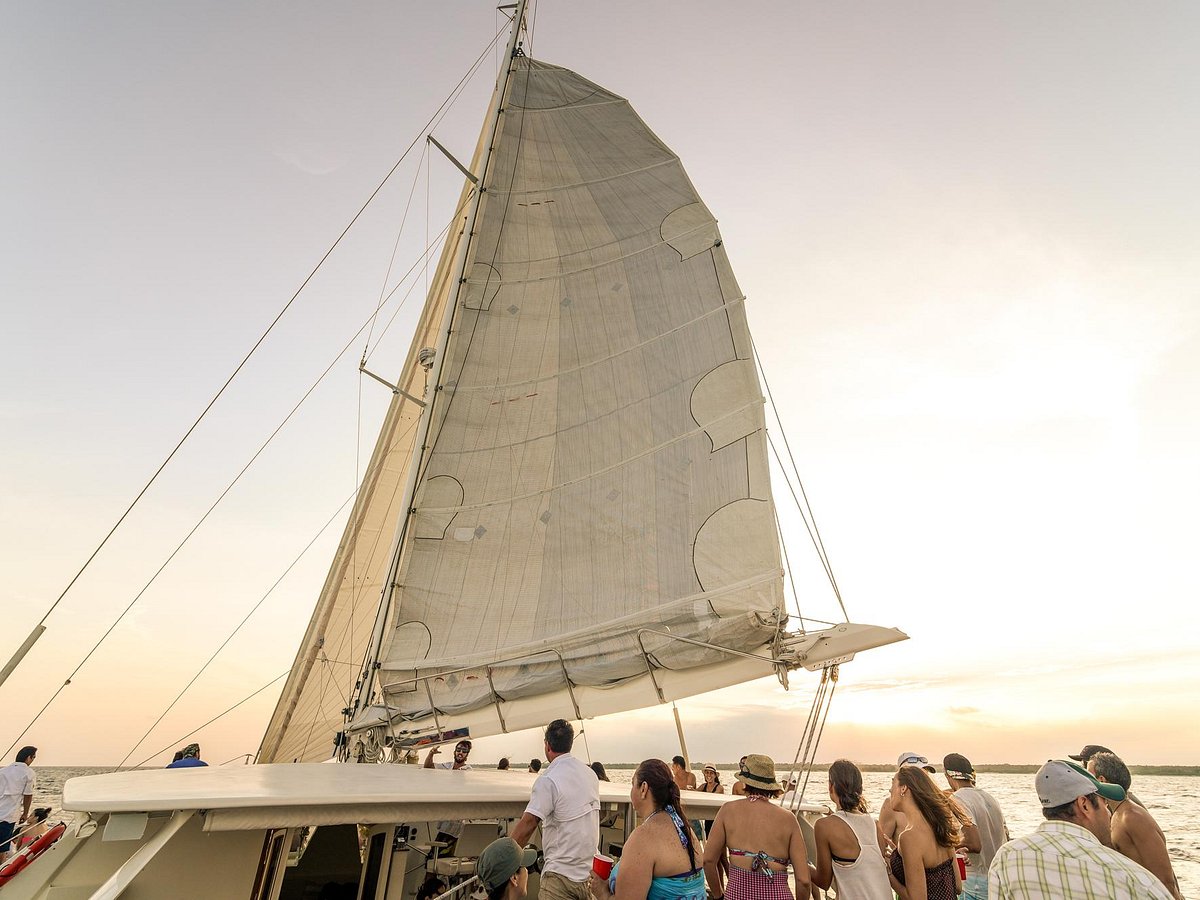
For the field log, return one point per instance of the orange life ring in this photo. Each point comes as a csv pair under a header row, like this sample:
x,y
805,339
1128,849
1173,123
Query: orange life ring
x,y
32,852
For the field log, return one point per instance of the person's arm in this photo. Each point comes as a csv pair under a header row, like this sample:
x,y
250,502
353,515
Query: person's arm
x,y
714,852
888,820
28,803
429,756
634,875
720,789
881,838
970,838
738,789
798,854
822,874
911,865
525,827
1148,843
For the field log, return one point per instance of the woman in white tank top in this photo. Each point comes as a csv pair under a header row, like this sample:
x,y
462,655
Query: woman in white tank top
x,y
850,844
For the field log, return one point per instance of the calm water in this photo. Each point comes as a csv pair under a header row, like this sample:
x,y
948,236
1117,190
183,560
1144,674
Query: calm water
x,y
1173,800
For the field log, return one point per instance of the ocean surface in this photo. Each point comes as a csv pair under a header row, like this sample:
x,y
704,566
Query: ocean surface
x,y
1174,801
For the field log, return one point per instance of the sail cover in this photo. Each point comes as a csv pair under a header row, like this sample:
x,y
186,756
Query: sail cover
x,y
594,505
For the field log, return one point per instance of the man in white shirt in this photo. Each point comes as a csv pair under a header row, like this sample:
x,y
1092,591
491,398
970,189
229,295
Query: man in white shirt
x,y
566,802
988,829
16,796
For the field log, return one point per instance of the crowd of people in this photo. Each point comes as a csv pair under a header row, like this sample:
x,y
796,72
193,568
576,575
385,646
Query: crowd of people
x,y
929,841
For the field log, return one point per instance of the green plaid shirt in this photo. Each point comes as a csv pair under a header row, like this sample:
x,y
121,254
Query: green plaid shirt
x,y
1065,861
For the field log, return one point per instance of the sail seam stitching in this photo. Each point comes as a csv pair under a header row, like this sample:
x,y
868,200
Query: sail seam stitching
x,y
724,307
577,184
650,451
607,262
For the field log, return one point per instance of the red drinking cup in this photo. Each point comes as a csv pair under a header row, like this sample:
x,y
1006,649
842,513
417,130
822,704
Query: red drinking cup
x,y
602,865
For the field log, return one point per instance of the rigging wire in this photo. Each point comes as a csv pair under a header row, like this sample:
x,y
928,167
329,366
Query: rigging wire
x,y
238,628
810,527
787,566
199,728
228,381
815,532
193,530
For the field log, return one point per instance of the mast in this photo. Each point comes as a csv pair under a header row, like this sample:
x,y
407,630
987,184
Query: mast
x,y
495,109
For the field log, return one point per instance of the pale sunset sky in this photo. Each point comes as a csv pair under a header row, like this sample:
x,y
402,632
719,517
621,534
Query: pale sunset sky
x,y
968,237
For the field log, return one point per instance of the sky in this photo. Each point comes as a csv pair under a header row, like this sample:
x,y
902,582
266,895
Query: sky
x,y
967,237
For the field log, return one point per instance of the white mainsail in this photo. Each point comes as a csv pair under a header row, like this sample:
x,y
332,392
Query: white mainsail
x,y
591,527
597,462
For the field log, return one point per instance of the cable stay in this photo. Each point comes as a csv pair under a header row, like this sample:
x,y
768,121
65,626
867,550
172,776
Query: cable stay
x,y
40,627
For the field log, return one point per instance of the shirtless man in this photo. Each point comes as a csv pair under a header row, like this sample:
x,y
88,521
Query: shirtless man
x,y
1135,834
685,779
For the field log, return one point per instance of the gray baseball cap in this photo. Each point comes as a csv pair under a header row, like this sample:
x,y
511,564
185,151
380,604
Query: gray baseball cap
x,y
500,861
1060,781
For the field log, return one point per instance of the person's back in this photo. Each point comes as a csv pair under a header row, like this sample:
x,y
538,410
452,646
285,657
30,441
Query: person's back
x,y
762,840
565,802
1136,835
849,843
858,867
755,826
987,816
1134,832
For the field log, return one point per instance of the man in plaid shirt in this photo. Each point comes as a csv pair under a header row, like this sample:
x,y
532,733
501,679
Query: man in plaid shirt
x,y
1067,857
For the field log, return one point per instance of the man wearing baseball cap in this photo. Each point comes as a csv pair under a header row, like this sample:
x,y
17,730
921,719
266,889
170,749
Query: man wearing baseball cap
x,y
987,831
503,867
1084,756
1067,856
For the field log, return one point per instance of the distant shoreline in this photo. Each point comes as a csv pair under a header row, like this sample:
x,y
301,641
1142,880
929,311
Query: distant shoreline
x,y
994,768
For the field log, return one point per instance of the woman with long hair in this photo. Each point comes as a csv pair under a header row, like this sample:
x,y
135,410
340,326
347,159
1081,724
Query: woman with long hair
x,y
850,843
659,860
922,866
598,768
762,839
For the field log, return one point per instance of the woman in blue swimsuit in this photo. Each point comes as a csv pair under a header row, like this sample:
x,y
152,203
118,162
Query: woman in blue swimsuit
x,y
659,860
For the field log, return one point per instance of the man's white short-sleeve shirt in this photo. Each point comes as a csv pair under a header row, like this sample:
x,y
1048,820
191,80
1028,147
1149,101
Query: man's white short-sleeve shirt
x,y
566,797
16,783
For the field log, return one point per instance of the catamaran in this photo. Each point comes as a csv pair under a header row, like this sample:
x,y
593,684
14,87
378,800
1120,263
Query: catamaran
x,y
567,513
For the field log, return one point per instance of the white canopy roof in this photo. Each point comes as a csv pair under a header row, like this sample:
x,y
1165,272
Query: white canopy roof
x,y
291,795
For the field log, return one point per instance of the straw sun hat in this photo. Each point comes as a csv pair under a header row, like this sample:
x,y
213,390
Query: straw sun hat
x,y
759,772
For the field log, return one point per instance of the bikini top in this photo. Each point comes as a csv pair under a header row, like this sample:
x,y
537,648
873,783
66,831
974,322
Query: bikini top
x,y
759,860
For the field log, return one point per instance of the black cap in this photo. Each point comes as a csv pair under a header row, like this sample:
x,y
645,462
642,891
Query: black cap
x,y
959,767
1088,752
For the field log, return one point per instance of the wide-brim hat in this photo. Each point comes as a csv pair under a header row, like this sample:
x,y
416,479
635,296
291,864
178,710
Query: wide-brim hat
x,y
759,772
